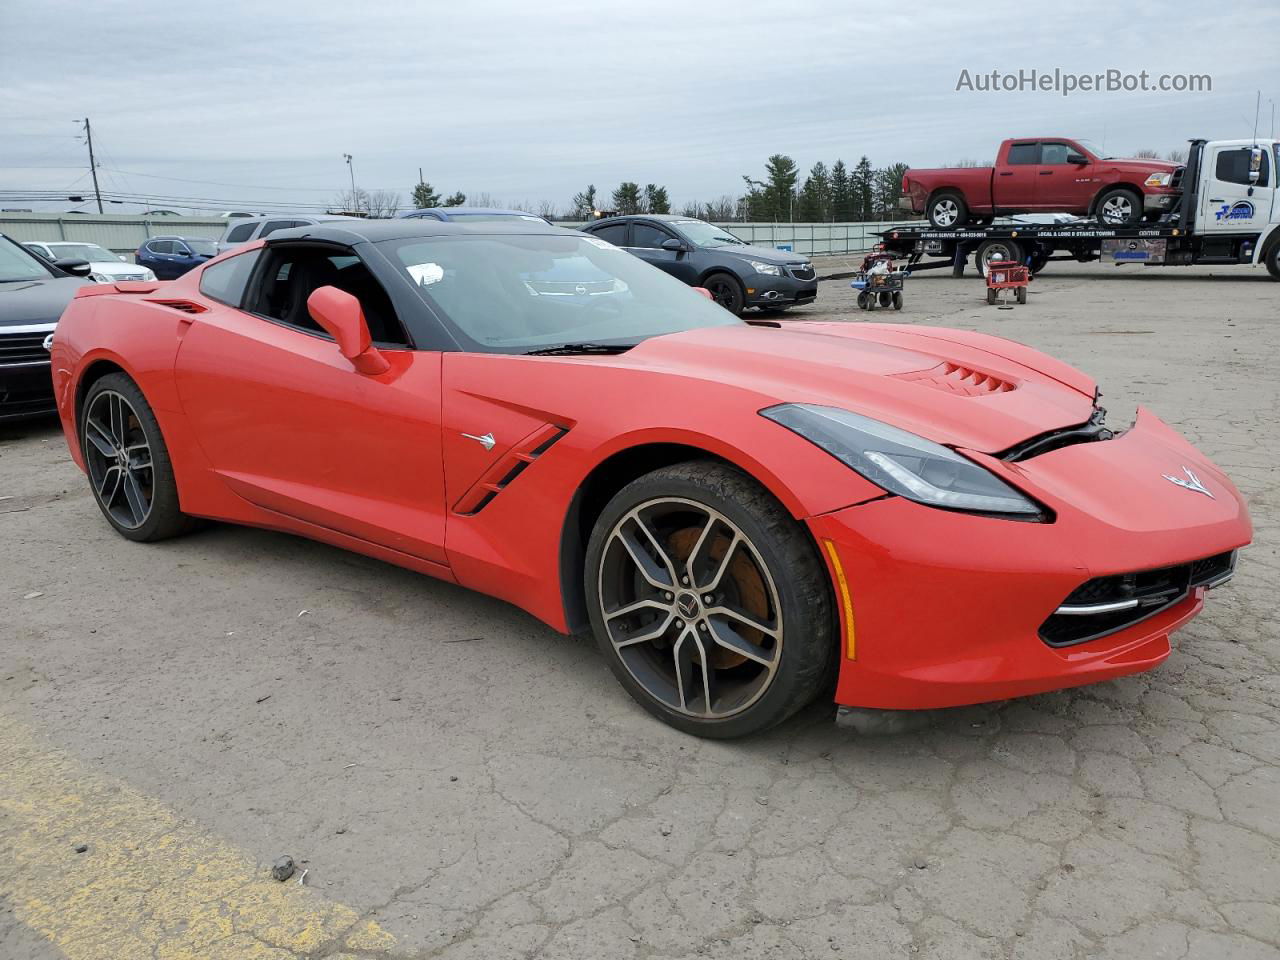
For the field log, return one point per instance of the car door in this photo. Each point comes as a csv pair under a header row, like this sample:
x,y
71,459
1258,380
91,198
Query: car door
x,y
1231,202
1061,185
290,425
647,239
159,256
1014,187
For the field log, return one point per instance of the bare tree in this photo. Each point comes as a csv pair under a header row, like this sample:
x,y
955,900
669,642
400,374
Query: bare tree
x,y
355,202
485,200
548,210
1177,156
1146,154
383,204
721,209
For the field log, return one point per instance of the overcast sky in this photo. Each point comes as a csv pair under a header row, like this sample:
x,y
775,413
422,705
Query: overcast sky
x,y
256,100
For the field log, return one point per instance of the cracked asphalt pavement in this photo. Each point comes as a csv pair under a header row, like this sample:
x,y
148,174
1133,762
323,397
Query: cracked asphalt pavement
x,y
459,781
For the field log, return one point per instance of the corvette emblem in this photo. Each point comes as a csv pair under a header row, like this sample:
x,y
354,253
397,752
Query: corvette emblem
x,y
487,441
1192,482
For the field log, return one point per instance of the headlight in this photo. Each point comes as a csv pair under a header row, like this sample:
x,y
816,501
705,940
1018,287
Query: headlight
x,y
1159,179
901,462
772,269
148,275
99,278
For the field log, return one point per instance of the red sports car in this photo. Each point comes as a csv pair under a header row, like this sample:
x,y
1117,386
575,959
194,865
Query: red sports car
x,y
747,515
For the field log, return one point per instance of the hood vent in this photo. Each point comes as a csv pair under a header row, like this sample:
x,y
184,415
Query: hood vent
x,y
186,306
962,381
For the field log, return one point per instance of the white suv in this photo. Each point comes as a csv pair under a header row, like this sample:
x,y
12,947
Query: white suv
x,y
104,266
243,229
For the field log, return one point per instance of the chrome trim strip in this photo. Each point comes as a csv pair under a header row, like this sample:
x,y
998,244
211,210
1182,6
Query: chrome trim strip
x,y
1087,610
1219,580
29,328
24,363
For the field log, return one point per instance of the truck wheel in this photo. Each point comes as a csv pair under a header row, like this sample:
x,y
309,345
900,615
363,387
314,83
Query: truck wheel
x,y
1038,261
989,250
948,210
1119,207
1273,260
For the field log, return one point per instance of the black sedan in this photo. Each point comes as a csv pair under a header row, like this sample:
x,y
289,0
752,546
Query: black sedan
x,y
33,294
701,254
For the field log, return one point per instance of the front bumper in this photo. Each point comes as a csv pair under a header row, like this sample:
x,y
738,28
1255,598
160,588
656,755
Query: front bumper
x,y
26,390
1159,202
767,291
947,607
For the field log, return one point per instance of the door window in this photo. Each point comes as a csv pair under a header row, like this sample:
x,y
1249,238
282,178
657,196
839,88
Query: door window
x,y
271,226
225,281
1055,153
291,274
161,246
615,233
1024,153
647,235
1233,167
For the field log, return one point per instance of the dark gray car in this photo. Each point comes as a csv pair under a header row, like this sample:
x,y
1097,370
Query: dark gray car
x,y
33,294
701,254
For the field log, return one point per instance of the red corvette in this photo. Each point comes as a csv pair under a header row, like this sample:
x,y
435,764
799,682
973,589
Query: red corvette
x,y
745,515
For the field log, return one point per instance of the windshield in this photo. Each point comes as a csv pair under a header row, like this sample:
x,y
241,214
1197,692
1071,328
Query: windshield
x,y
208,248
81,251
1096,150
511,294
17,264
703,234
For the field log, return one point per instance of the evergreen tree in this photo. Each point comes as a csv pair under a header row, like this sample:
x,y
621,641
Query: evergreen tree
x,y
626,199
841,197
888,190
656,199
815,196
424,196
457,200
863,190
773,197
584,203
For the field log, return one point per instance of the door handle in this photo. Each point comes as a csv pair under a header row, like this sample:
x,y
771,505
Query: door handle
x,y
1216,200
1046,173
1006,173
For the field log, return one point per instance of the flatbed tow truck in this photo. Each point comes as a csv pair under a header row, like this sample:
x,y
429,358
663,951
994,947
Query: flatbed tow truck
x,y
1228,213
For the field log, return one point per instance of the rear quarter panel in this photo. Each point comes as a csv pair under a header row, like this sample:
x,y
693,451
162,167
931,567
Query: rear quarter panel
x,y
973,183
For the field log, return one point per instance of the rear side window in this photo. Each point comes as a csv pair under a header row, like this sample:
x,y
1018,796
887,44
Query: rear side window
x,y
241,232
271,226
614,233
225,281
160,246
1023,153
1233,166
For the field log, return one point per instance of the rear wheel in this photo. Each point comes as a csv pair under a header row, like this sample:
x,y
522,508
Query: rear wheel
x,y
709,601
128,462
886,298
897,301
991,250
948,210
727,291
1119,207
1273,260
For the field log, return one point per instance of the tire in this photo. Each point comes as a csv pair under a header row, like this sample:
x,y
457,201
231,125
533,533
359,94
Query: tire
x,y
991,296
728,291
995,250
864,300
897,300
1038,263
140,500
1118,207
756,678
1021,295
886,298
947,209
1273,260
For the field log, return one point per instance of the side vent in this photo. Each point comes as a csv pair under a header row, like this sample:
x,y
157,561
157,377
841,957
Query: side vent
x,y
962,381
499,476
186,306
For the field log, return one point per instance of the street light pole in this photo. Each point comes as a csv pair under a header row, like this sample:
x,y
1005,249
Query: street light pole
x,y
355,202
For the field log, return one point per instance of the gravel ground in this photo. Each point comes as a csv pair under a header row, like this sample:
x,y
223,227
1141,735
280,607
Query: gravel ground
x,y
478,786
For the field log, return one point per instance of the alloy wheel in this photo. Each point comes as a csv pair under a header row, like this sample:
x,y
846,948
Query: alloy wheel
x,y
118,456
945,212
725,292
1118,209
690,608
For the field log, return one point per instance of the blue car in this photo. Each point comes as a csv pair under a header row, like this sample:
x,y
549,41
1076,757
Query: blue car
x,y
171,257
474,215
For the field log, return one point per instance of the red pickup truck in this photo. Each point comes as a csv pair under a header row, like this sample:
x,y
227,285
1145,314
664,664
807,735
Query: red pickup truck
x,y
1051,174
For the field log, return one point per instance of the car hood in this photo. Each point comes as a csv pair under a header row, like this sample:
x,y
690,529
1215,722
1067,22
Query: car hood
x,y
116,268
36,301
958,388
1137,163
765,254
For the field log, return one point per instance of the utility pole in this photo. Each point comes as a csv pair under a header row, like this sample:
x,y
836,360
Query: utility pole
x,y
93,167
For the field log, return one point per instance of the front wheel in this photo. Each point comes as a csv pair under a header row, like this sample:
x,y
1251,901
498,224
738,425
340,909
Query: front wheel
x,y
128,463
709,602
1119,207
990,251
1273,260
727,291
864,300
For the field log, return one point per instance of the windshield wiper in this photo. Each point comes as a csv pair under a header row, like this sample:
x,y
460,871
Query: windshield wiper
x,y
568,349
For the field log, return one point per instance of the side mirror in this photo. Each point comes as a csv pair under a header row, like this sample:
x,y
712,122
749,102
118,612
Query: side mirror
x,y
1255,165
122,258
1079,159
77,268
340,314
671,243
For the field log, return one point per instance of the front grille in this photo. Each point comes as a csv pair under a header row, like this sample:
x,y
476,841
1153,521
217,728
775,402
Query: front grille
x,y
1137,595
22,348
805,272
